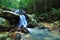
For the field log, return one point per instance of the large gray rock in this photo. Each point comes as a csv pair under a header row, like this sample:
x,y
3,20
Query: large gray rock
x,y
8,20
13,19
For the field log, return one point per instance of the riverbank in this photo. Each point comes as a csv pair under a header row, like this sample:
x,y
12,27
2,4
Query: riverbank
x,y
35,34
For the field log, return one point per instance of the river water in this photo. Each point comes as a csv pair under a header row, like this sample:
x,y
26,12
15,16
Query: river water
x,y
41,34
37,34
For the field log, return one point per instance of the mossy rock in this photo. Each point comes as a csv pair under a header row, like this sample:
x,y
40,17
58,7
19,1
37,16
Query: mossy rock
x,y
57,22
32,21
13,19
8,21
4,35
4,22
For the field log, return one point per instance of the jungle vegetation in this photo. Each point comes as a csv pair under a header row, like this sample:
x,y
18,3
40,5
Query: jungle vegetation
x,y
43,9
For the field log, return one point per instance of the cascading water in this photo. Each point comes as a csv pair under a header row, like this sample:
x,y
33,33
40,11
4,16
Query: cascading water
x,y
22,18
22,21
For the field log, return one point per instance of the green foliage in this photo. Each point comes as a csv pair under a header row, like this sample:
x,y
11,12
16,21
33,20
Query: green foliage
x,y
4,22
55,11
9,39
43,9
3,36
16,3
58,22
32,18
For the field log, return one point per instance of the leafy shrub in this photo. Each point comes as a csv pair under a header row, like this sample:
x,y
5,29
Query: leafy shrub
x,y
55,13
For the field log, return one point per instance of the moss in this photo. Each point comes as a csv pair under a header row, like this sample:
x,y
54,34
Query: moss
x,y
4,22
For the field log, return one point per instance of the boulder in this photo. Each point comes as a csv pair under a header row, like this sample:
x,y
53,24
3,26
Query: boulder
x,y
13,19
7,21
40,26
56,26
18,36
32,22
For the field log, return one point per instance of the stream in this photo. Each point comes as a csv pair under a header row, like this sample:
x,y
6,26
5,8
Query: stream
x,y
42,34
36,34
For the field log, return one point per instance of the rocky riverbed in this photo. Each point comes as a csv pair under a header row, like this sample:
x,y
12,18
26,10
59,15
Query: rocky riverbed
x,y
37,34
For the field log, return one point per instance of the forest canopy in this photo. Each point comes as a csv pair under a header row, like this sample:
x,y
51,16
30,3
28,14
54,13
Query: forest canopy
x,y
43,9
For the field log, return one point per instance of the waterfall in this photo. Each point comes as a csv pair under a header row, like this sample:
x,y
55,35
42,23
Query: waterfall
x,y
22,18
22,21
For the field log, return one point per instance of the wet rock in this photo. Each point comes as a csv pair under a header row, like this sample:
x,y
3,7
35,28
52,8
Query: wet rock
x,y
48,29
56,27
30,26
12,30
31,21
57,38
12,35
15,35
25,30
40,26
18,36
